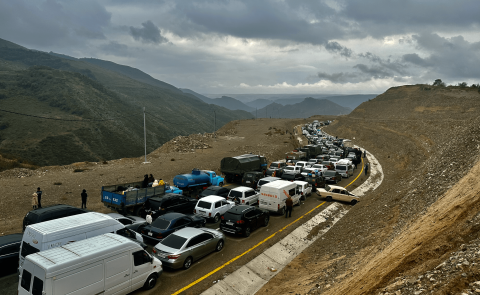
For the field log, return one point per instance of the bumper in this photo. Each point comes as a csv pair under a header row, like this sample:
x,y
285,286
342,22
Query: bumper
x,y
230,230
171,263
147,238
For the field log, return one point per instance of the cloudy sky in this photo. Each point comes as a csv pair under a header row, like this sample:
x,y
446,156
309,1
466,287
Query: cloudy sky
x,y
256,46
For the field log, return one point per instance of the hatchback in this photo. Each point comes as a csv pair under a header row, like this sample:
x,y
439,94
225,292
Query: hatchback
x,y
183,247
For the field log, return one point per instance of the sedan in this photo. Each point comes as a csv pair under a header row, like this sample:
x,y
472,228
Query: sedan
x,y
333,192
131,222
182,248
169,223
332,176
242,219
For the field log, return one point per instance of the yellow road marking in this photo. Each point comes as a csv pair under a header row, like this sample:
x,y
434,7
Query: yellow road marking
x,y
239,256
357,175
260,243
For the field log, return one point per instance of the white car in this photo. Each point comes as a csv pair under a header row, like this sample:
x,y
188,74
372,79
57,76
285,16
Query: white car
x,y
307,171
212,207
321,168
292,169
302,164
243,195
304,189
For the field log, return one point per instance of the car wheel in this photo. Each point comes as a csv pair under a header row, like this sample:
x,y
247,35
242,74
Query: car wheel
x,y
353,202
220,184
329,198
187,263
266,220
247,231
219,246
139,211
150,282
282,211
216,218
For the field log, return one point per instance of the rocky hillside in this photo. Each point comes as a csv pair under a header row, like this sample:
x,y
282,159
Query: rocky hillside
x,y
304,109
418,232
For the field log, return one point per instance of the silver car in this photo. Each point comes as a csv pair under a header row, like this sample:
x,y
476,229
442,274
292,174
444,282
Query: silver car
x,y
189,244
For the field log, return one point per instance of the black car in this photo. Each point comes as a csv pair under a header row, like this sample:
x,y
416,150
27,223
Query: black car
x,y
292,176
9,248
332,176
242,219
315,182
169,223
214,190
275,169
250,179
160,205
50,213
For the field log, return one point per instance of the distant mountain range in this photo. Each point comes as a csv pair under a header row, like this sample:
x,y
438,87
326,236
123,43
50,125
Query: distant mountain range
x,y
56,109
224,101
304,109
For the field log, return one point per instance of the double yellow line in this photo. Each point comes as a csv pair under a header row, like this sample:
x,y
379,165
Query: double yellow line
x,y
257,245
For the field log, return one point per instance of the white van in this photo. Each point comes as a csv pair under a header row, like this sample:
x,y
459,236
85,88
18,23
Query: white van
x,y
274,194
105,264
58,232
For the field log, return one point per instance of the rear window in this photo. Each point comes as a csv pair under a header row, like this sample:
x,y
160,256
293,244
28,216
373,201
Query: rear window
x,y
232,216
27,250
234,194
341,167
161,223
204,205
26,278
289,168
329,173
174,241
288,176
37,286
208,192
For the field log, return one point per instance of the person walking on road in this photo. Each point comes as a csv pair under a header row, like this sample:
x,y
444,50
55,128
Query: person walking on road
x,y
84,199
39,196
35,201
289,205
366,169
364,153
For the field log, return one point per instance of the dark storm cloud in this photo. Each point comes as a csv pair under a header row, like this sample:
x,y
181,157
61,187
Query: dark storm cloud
x,y
373,72
41,23
453,58
148,33
387,64
340,77
335,47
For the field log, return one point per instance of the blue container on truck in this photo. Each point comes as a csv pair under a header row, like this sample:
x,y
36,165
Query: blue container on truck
x,y
131,196
197,181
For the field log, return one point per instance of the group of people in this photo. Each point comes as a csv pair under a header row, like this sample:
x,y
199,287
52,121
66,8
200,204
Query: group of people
x,y
37,199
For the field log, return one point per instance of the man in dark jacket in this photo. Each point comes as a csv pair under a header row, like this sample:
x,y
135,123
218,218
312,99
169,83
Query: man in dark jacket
x,y
39,195
84,199
289,205
366,169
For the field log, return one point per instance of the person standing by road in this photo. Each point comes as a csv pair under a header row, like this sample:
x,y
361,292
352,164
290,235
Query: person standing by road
x,y
366,169
148,218
289,205
39,196
84,199
35,201
364,153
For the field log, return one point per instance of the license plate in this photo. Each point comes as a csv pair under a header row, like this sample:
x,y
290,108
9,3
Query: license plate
x,y
203,212
229,223
150,233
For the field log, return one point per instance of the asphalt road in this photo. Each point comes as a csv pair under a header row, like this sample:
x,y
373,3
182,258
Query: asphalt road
x,y
173,280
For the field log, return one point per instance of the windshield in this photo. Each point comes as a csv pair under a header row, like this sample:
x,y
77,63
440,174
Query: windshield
x,y
289,168
262,182
27,249
232,216
204,205
235,194
329,173
317,166
161,223
174,241
274,165
327,188
340,167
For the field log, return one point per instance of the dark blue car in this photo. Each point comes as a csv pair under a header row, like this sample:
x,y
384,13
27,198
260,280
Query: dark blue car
x,y
9,248
168,223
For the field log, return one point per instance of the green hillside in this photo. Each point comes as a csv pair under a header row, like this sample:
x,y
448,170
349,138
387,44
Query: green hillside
x,y
307,108
93,113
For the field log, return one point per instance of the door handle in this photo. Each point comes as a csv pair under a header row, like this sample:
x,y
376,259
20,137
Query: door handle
x,y
126,275
135,271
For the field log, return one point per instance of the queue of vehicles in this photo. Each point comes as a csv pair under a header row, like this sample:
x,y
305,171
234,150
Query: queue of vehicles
x,y
58,244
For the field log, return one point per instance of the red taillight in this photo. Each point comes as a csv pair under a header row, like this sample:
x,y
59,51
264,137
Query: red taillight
x,y
194,210
243,201
154,250
315,184
159,236
173,256
209,214
240,221
278,206
301,193
222,218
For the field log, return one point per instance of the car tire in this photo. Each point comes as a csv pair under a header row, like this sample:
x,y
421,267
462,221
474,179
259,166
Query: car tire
x,y
328,198
150,282
247,231
221,184
266,220
353,202
282,211
139,211
188,262
216,218
219,246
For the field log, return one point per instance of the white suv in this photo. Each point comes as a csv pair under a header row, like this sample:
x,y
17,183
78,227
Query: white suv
x,y
243,195
212,207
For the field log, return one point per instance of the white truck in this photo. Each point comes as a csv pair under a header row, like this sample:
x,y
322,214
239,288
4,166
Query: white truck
x,y
274,194
58,232
105,264
243,195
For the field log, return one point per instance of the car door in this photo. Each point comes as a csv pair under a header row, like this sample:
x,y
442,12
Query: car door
x,y
207,243
180,223
251,219
141,266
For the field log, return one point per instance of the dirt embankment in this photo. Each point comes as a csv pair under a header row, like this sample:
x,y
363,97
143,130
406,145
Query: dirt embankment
x,y
63,184
428,142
